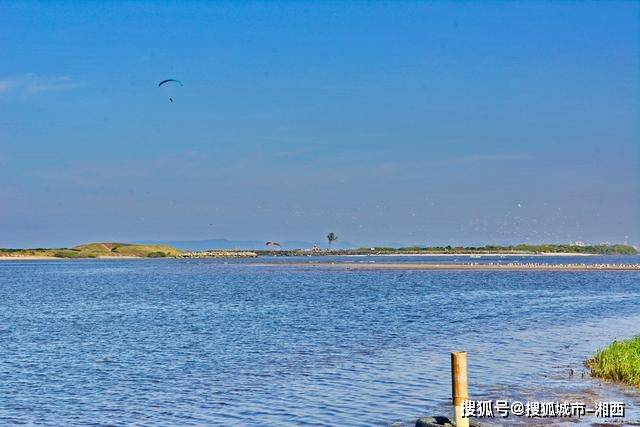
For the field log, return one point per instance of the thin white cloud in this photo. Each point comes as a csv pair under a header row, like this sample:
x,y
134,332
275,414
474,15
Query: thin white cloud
x,y
97,173
7,85
51,84
485,158
32,84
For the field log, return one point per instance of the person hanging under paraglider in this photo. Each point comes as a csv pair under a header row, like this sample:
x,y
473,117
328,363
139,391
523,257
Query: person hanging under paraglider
x,y
170,83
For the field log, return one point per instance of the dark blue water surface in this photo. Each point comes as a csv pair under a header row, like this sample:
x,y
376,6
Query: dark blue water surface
x,y
207,342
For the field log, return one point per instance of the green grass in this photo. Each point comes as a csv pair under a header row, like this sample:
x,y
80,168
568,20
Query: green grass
x,y
126,249
619,362
67,253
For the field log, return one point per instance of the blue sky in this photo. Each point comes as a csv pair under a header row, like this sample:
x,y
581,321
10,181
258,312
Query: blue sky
x,y
386,122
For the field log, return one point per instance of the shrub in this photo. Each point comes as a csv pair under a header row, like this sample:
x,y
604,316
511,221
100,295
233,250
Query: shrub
x,y
156,254
67,253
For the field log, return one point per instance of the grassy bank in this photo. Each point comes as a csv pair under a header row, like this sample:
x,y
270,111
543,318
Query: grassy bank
x,y
618,362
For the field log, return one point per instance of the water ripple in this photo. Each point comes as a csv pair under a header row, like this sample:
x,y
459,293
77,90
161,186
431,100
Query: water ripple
x,y
172,342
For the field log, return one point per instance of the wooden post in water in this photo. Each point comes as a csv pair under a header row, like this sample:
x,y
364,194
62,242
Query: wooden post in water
x,y
459,386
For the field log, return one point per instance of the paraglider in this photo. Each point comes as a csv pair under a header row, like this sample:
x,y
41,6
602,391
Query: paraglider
x,y
273,244
170,82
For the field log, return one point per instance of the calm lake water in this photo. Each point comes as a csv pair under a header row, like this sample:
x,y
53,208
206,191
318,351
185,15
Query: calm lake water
x,y
208,342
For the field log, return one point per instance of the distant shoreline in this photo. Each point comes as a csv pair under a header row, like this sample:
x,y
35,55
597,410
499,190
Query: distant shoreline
x,y
115,250
474,251
231,255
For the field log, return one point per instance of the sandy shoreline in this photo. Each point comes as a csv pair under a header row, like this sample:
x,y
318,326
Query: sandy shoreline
x,y
470,267
495,254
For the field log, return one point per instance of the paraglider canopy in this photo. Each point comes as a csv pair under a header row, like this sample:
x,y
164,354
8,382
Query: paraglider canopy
x,y
272,243
170,80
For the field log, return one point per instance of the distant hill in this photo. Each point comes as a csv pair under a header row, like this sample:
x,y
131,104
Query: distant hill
x,y
201,245
96,250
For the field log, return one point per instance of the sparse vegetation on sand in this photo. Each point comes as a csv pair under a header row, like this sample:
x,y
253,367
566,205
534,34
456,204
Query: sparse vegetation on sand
x,y
619,362
96,250
127,249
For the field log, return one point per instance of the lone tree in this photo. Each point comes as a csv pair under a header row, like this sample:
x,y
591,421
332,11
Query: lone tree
x,y
331,237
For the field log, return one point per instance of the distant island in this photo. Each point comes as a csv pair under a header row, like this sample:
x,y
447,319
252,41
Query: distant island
x,y
129,250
